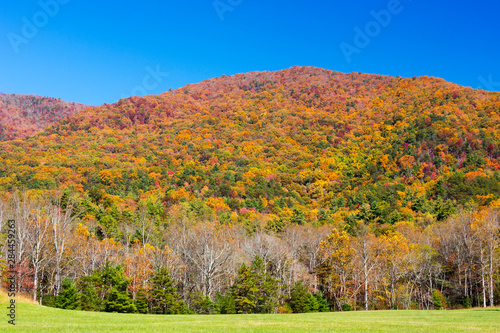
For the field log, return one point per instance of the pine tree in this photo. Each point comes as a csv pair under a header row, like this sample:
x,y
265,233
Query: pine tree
x,y
439,300
268,287
255,290
119,301
201,304
68,298
225,303
300,302
243,291
108,277
311,303
298,217
141,301
111,285
163,295
322,302
89,298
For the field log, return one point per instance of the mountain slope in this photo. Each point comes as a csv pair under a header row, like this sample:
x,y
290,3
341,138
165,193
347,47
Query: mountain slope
x,y
22,116
303,144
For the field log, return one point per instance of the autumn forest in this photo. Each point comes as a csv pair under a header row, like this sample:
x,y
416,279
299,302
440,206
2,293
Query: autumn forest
x,y
300,190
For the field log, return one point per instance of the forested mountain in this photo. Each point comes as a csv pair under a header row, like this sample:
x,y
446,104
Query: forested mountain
x,y
303,144
22,116
291,191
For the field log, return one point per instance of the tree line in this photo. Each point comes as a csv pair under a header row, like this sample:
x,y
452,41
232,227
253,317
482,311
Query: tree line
x,y
192,262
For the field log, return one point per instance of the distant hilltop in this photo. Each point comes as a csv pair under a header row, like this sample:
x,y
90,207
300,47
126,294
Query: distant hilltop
x,y
22,116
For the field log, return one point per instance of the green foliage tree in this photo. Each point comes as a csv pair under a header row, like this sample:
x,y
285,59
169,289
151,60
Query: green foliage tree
x,y
255,290
68,298
89,298
322,302
297,217
467,302
225,303
119,301
111,284
107,277
301,301
141,301
243,291
268,295
163,295
439,300
201,304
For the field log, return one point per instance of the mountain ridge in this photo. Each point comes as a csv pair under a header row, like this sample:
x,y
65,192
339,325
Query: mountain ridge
x,y
302,144
22,116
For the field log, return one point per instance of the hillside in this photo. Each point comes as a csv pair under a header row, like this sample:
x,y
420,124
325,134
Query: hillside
x,y
22,116
298,145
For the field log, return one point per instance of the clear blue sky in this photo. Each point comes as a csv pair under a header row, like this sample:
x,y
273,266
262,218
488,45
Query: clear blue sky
x,y
96,52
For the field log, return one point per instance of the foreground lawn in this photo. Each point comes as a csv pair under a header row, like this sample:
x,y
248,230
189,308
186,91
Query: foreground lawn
x,y
34,318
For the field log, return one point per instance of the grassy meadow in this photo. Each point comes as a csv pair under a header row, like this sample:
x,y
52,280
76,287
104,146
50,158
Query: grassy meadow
x,y
34,318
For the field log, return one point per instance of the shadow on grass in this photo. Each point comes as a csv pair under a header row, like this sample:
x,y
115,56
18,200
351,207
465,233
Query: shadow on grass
x,y
487,310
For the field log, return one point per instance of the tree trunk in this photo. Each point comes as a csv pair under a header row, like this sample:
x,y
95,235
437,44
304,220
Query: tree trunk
x,y
492,295
484,287
366,294
35,283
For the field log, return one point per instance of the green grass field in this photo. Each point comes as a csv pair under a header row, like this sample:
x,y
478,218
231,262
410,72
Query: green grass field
x,y
34,318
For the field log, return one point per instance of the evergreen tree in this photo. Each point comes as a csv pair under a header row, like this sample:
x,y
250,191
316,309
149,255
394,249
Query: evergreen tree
x,y
267,297
255,290
201,304
163,296
244,291
89,298
68,298
107,277
179,307
225,303
311,303
439,300
49,300
322,302
141,301
298,217
324,217
119,301
300,302
111,285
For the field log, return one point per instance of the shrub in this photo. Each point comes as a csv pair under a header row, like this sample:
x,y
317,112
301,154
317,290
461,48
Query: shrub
x,y
467,303
346,307
285,308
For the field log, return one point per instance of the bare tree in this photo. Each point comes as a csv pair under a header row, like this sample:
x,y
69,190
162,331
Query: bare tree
x,y
62,215
259,244
368,251
5,213
282,260
464,243
487,230
168,259
86,251
209,248
38,226
146,224
20,211
303,243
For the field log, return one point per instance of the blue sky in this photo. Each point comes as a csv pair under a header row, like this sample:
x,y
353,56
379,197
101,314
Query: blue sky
x,y
97,52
